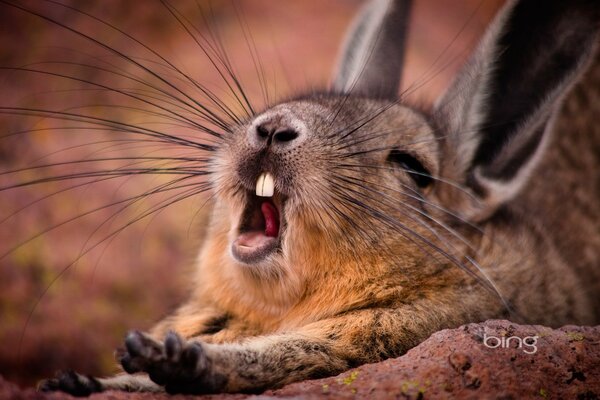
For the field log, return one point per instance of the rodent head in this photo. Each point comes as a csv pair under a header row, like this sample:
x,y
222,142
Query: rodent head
x,y
339,167
357,178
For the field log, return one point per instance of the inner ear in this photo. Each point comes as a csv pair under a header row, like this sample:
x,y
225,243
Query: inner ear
x,y
412,166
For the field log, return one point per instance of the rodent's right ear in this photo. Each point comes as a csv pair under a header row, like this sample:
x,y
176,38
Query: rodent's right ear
x,y
373,53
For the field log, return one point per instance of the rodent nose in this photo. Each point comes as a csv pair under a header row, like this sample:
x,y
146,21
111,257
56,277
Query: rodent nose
x,y
275,135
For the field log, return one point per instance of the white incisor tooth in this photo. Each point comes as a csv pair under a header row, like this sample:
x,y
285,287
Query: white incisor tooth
x,y
265,185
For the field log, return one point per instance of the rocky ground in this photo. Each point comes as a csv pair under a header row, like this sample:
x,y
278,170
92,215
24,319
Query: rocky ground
x,y
469,362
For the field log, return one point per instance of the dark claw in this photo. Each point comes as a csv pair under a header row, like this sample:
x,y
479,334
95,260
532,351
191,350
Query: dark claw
x,y
123,358
190,356
72,383
173,346
133,343
129,365
48,385
140,345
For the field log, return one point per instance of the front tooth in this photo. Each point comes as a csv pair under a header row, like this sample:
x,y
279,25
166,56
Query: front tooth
x,y
265,185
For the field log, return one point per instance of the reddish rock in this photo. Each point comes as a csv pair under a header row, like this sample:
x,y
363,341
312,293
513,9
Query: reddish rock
x,y
559,364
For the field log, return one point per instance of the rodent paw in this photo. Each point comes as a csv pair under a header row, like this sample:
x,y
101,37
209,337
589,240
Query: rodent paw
x,y
179,366
71,382
140,352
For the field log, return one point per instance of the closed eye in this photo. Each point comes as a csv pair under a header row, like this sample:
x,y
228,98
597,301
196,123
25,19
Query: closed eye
x,y
412,166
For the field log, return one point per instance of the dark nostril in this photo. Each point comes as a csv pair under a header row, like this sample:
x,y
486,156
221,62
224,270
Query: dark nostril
x,y
273,135
262,132
285,136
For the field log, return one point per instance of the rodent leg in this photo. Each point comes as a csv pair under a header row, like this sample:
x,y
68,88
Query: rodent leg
x,y
196,367
319,349
331,346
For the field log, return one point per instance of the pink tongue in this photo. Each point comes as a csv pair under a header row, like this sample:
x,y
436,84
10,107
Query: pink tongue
x,y
271,216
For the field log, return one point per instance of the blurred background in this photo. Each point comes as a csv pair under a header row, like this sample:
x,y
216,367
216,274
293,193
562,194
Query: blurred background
x,y
110,247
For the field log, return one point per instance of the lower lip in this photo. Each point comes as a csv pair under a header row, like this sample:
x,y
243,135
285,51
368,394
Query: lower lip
x,y
253,247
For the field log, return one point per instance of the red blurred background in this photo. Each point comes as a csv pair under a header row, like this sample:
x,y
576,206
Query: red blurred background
x,y
69,294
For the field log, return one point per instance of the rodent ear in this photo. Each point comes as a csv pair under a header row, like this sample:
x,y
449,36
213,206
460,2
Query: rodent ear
x,y
496,117
373,53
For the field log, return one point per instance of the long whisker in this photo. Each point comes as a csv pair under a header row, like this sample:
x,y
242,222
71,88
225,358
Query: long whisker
x,y
180,117
217,53
158,94
93,160
198,105
391,222
363,183
89,212
390,202
83,253
115,125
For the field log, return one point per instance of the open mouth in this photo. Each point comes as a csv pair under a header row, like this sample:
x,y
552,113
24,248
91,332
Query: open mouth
x,y
259,233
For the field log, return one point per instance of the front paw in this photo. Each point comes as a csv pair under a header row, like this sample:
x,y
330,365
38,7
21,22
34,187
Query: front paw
x,y
180,366
72,383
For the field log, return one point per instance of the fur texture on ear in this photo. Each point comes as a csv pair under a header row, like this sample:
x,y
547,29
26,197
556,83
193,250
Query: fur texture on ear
x,y
496,118
373,53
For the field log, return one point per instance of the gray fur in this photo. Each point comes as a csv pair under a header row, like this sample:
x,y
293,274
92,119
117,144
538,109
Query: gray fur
x,y
373,55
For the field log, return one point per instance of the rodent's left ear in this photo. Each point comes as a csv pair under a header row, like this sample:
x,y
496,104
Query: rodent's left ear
x,y
373,53
497,115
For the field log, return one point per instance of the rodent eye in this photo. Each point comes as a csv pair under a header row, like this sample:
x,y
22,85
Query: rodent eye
x,y
412,166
